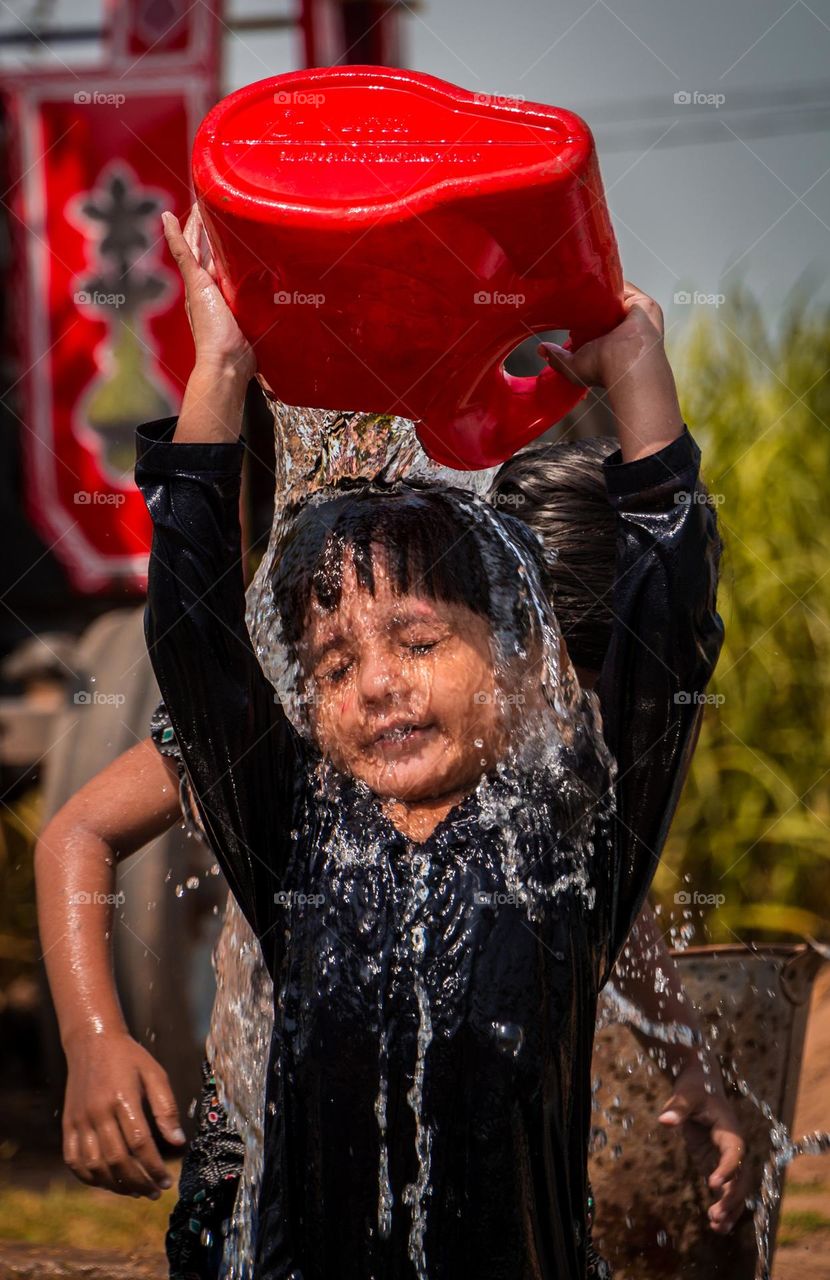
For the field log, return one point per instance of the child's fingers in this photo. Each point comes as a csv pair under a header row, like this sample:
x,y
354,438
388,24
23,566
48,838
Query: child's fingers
x,y
180,250
730,1148
126,1175
162,1103
562,361
140,1144
72,1156
726,1181
193,233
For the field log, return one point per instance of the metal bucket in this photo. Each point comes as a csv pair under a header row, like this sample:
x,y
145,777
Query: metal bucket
x,y
651,1200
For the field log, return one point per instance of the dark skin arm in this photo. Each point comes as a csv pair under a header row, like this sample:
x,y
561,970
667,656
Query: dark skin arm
x,y
106,1139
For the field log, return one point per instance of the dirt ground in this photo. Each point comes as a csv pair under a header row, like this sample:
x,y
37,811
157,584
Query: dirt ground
x,y
804,1251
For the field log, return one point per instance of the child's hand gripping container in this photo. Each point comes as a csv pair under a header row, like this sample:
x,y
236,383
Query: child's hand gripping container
x,y
384,239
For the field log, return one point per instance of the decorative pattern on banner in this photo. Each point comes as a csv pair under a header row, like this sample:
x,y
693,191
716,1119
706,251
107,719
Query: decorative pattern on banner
x,y
104,339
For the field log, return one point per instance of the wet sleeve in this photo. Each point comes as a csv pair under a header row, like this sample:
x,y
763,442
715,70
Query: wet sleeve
x,y
665,641
241,754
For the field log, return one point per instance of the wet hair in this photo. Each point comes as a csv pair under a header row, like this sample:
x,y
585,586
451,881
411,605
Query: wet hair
x,y
441,543
559,491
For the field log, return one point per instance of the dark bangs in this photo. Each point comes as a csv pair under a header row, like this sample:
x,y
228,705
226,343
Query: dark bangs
x,y
439,543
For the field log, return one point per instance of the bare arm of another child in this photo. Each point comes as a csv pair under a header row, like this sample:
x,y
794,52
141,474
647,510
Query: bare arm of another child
x,y
106,1139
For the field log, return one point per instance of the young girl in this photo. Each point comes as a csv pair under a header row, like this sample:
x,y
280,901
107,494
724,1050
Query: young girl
x,y
437,945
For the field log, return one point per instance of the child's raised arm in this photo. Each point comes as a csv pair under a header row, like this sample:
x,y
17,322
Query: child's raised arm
x,y
106,1139
240,752
666,633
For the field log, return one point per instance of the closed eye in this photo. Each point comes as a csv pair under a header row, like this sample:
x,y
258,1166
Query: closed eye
x,y
337,674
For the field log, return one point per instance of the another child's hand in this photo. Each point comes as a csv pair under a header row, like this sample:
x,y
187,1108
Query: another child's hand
x,y
106,1139
635,344
216,335
712,1134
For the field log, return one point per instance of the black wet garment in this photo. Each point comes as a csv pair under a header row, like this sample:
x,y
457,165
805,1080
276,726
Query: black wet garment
x,y
208,1183
214,1160
428,1100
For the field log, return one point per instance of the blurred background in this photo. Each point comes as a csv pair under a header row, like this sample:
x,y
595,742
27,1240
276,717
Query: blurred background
x,y
711,126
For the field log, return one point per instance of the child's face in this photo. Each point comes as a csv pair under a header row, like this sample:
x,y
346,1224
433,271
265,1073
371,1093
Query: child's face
x,y
402,690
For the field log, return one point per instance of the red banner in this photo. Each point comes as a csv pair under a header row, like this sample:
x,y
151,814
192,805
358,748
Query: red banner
x,y
104,342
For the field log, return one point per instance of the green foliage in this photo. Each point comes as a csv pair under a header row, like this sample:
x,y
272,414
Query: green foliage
x,y
754,821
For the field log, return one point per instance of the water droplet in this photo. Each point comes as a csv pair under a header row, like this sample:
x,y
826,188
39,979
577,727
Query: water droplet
x,y
509,1036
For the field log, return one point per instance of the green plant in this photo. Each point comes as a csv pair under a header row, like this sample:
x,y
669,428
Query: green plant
x,y
754,821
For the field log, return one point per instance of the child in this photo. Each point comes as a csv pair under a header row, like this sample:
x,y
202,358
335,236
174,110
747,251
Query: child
x,y
428,1098
560,491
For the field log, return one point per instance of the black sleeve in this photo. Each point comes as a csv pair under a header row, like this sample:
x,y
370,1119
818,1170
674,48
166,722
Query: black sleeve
x,y
665,641
242,756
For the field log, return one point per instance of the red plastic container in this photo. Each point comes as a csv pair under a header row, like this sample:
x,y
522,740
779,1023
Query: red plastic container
x,y
385,239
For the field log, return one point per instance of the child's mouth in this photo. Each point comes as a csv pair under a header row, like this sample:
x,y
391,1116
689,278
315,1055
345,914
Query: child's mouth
x,y
400,738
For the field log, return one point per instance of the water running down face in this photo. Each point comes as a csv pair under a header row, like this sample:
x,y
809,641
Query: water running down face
x,y
403,689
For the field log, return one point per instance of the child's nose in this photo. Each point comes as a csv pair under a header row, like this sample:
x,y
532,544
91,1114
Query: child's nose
x,y
382,677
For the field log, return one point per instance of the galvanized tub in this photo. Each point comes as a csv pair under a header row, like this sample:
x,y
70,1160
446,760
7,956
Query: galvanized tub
x,y
651,1200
